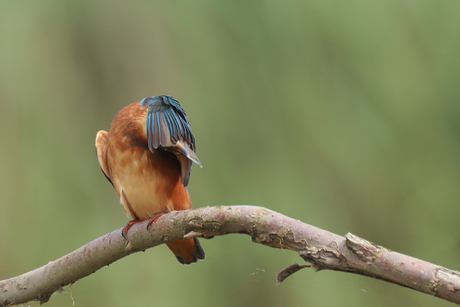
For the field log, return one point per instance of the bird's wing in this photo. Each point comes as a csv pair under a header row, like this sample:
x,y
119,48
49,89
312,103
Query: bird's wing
x,y
101,152
168,128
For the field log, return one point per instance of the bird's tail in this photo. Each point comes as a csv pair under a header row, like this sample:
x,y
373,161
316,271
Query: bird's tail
x,y
187,251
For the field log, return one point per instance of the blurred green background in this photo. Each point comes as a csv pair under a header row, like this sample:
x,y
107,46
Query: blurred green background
x,y
343,114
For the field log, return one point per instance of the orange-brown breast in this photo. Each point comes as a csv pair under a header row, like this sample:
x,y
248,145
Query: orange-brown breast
x,y
145,182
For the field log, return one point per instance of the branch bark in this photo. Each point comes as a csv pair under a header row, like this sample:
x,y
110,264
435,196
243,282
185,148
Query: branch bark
x,y
322,249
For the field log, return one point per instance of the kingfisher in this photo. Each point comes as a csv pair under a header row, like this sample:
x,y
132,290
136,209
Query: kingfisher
x,y
147,156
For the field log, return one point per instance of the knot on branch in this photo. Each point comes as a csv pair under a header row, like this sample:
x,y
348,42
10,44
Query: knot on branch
x,y
362,248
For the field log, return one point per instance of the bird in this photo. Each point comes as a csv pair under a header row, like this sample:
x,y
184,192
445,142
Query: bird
x,y
147,156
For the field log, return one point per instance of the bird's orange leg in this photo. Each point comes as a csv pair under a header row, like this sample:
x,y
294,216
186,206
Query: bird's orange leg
x,y
154,217
124,231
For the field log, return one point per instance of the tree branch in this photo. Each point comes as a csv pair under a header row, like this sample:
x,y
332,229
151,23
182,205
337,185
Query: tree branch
x,y
322,249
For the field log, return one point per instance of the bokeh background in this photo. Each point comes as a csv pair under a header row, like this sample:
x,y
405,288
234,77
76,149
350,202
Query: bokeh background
x,y
343,114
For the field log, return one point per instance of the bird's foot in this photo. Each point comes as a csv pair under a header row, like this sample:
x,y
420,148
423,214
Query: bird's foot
x,y
124,231
154,217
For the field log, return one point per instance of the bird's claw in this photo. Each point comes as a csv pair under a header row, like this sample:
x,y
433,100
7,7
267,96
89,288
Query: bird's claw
x,y
124,231
154,217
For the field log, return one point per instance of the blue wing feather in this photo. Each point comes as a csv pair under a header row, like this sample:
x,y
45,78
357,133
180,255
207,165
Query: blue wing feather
x,y
168,128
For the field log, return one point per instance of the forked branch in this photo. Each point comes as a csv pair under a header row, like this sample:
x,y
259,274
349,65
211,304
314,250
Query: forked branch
x,y
322,249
